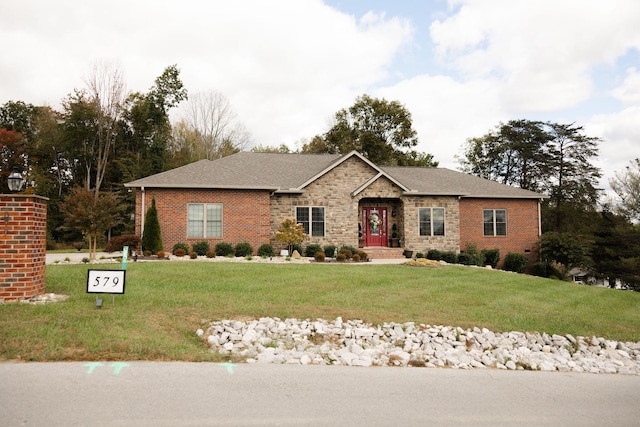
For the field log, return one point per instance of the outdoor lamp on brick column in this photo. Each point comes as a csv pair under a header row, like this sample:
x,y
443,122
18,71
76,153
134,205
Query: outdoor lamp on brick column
x,y
15,181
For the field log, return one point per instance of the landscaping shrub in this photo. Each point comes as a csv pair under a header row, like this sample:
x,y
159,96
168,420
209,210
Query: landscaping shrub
x,y
356,258
330,250
434,254
160,254
146,253
419,255
311,250
319,256
193,255
265,250
516,262
467,259
244,249
349,248
363,256
224,249
546,269
491,257
341,257
346,252
183,246
201,248
449,257
179,252
151,235
117,243
211,254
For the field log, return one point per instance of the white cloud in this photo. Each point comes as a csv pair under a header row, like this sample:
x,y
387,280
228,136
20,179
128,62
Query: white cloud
x,y
544,51
629,91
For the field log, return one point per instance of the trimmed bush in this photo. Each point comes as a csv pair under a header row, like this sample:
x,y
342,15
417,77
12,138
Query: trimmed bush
x,y
193,255
311,250
341,257
151,235
117,243
265,250
419,255
346,252
224,249
244,249
211,254
467,259
516,262
449,257
330,250
160,254
201,248
183,246
491,257
348,248
363,256
434,254
180,252
319,256
356,258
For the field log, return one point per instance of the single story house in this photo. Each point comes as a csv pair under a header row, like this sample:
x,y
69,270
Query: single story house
x,y
340,200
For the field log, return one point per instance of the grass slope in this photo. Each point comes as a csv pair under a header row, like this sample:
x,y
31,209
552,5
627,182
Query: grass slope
x,y
166,302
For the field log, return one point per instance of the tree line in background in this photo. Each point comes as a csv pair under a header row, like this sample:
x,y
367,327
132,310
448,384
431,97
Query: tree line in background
x,y
103,136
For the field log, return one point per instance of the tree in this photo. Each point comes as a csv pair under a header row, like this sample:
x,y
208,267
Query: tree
x,y
290,233
218,132
12,155
512,154
92,216
106,93
626,185
572,179
151,235
616,250
550,158
380,130
565,251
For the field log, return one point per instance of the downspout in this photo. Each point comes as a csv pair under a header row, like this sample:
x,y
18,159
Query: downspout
x,y
539,218
142,213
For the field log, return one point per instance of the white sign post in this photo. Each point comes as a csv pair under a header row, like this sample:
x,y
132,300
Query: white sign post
x,y
105,282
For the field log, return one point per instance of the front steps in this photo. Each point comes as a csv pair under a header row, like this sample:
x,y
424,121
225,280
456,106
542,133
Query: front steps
x,y
382,252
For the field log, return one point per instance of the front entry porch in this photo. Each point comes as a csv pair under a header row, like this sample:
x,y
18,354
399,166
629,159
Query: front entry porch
x,y
380,224
381,252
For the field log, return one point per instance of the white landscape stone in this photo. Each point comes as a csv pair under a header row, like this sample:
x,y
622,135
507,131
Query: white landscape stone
x,y
354,343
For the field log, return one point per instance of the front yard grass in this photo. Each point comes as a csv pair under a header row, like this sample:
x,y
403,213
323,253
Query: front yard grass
x,y
165,302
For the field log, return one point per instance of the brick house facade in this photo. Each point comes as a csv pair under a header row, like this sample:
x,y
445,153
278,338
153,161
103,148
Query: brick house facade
x,y
341,200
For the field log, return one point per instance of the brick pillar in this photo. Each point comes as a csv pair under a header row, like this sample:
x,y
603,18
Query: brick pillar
x,y
23,241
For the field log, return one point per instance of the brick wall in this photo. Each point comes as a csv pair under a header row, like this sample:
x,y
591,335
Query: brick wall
x,y
23,229
522,226
245,215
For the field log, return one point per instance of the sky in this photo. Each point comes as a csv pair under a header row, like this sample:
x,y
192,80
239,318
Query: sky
x,y
461,67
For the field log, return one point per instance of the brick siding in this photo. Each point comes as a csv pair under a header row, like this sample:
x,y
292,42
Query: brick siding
x,y
23,229
245,215
522,226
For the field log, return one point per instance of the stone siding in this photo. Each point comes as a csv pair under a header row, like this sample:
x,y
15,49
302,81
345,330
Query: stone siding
x,y
411,236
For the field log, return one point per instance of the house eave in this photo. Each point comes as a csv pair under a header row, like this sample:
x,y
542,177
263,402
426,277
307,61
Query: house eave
x,y
203,187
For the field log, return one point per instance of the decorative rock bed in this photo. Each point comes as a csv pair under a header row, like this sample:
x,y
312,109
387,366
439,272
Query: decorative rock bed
x,y
354,343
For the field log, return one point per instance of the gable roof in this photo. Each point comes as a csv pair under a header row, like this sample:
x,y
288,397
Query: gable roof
x,y
291,173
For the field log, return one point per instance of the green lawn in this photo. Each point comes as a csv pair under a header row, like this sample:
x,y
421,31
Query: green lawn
x,y
165,302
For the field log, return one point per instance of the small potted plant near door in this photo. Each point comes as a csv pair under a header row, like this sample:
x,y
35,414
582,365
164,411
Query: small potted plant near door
x,y
394,240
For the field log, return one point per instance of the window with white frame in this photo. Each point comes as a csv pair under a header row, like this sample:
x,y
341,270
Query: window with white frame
x,y
495,222
431,221
312,219
204,220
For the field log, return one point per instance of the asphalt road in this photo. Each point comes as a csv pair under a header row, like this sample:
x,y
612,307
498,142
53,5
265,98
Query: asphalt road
x,y
205,394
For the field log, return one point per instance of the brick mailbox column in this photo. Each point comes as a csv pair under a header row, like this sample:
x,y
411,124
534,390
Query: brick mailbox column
x,y
23,231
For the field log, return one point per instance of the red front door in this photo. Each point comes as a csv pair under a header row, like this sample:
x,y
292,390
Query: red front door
x,y
374,226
